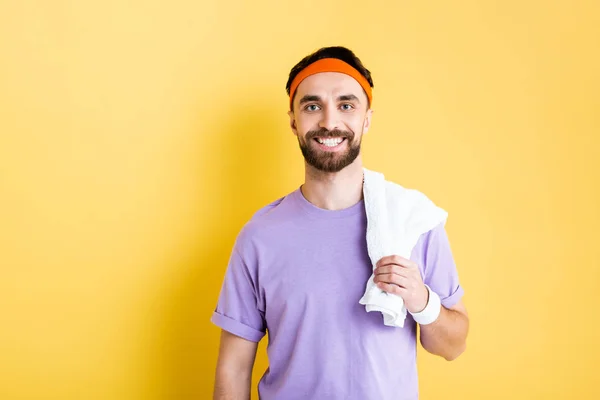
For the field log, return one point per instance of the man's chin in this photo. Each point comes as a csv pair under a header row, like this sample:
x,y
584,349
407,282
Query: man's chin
x,y
329,162
327,169
330,165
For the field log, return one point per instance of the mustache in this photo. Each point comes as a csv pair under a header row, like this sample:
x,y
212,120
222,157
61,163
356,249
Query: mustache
x,y
325,133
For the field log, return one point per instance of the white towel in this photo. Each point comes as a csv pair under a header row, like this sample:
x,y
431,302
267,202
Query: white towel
x,y
396,218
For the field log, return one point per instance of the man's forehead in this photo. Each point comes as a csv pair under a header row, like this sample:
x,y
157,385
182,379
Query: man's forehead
x,y
330,83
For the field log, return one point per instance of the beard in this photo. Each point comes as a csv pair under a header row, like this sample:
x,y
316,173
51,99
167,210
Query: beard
x,y
326,161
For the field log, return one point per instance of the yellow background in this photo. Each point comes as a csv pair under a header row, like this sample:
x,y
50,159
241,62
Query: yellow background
x,y
137,137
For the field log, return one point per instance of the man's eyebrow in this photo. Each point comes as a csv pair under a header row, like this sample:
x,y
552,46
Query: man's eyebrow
x,y
309,97
347,97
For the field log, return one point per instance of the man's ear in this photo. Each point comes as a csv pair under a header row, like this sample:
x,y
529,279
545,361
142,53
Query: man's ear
x,y
367,122
293,122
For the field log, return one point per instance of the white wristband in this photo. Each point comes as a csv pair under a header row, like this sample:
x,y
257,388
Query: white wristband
x,y
432,309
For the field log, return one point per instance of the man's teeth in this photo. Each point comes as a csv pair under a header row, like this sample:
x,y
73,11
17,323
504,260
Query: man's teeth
x,y
330,141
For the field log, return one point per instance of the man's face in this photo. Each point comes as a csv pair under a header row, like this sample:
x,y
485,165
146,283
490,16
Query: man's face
x,y
330,115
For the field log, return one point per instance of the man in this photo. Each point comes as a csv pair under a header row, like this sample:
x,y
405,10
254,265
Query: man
x,y
300,265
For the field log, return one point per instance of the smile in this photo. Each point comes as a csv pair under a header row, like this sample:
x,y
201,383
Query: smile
x,y
330,142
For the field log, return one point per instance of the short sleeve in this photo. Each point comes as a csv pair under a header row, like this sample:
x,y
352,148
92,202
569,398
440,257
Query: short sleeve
x,y
439,268
237,307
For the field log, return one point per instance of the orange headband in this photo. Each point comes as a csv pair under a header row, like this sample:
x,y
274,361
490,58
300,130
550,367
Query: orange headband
x,y
330,65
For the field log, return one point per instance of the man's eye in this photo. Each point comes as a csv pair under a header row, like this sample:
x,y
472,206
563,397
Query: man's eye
x,y
347,107
312,107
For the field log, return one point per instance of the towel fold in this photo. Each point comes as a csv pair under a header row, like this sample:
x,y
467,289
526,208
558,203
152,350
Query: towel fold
x,y
396,218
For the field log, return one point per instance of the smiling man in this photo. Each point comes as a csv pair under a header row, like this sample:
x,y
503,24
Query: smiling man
x,y
300,265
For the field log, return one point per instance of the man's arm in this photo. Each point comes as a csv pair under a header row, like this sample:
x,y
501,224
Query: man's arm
x,y
233,377
447,335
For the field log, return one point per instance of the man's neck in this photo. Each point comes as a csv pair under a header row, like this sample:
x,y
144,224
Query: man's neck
x,y
334,191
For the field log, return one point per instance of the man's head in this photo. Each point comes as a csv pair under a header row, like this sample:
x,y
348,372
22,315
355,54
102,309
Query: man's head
x,y
330,107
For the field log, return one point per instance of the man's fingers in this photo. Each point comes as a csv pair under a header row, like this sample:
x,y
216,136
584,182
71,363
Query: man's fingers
x,y
390,269
398,270
391,288
391,279
395,260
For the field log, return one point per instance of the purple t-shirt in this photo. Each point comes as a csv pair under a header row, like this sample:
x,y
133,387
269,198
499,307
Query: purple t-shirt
x,y
297,272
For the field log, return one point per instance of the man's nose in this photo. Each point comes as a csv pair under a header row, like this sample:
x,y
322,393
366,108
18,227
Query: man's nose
x,y
330,119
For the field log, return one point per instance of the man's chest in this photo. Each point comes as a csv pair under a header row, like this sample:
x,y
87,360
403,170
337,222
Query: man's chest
x,y
319,275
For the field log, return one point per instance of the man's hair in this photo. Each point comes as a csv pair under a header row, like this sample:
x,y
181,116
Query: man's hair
x,y
339,52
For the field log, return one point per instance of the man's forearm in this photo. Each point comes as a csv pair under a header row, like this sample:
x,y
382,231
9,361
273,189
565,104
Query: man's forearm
x,y
229,386
447,335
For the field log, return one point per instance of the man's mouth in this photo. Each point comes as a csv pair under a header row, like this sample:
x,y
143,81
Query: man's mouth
x,y
329,141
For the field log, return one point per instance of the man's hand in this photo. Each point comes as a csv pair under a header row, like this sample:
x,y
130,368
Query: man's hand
x,y
401,276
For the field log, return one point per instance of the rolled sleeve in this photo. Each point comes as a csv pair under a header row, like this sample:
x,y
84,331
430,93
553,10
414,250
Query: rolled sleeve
x,y
440,272
237,309
237,328
454,298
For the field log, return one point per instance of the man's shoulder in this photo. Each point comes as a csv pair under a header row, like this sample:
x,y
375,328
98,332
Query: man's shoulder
x,y
269,218
280,209
262,213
